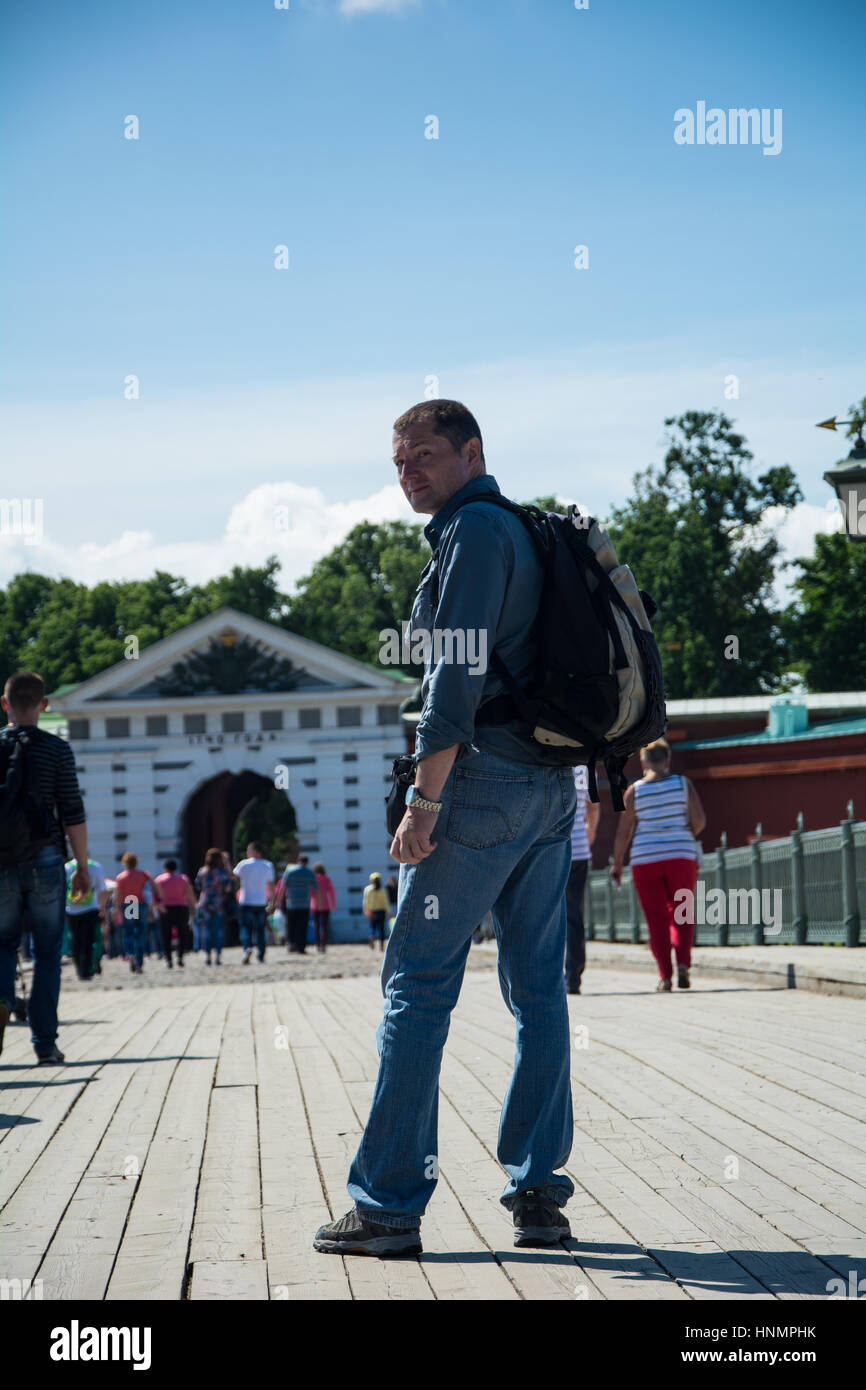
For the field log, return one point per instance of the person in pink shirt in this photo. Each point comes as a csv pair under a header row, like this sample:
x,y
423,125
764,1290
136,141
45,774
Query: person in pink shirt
x,y
323,900
178,900
130,909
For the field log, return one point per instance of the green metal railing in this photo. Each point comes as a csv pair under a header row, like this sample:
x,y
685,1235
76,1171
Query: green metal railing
x,y
821,875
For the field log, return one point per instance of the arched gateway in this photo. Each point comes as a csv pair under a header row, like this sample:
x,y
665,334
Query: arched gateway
x,y
211,815
172,745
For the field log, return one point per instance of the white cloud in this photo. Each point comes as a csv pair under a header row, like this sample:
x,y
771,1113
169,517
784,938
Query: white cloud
x,y
374,6
297,524
796,531
186,484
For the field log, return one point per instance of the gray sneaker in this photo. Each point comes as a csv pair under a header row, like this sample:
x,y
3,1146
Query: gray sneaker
x,y
538,1220
353,1234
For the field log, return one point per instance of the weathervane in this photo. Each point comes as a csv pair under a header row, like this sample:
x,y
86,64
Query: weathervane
x,y
832,423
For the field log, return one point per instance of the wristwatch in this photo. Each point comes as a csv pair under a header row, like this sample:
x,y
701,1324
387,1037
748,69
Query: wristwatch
x,y
414,798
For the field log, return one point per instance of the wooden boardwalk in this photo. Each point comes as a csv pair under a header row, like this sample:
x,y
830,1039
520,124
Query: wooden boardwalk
x,y
196,1138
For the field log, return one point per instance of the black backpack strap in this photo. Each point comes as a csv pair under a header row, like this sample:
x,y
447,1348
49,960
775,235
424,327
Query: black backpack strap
x,y
591,782
614,764
530,516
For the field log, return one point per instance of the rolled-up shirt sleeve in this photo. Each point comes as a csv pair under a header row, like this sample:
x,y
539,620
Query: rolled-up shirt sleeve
x,y
475,564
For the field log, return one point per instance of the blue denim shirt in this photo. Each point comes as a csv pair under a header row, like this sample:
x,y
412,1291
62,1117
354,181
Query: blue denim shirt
x,y
489,580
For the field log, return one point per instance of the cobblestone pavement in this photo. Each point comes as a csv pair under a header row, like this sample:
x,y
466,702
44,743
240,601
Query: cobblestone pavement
x,y
337,963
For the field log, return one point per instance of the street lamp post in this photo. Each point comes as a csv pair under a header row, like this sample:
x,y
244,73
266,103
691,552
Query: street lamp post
x,y
849,480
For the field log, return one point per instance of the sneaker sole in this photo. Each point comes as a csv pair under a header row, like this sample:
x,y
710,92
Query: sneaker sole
x,y
378,1245
541,1235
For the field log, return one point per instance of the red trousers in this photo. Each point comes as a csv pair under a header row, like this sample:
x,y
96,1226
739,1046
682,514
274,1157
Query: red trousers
x,y
656,885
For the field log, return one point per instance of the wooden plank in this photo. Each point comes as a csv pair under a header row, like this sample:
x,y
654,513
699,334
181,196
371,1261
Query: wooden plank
x,y
457,1263
227,1226
534,1273
779,1264
234,1280
800,1217
706,1271
336,1133
80,1257
237,1063
293,1200
152,1259
56,1092
806,1268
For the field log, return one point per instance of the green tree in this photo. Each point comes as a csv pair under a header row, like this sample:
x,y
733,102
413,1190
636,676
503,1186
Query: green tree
x,y
68,632
694,537
857,411
271,822
365,584
826,623
253,591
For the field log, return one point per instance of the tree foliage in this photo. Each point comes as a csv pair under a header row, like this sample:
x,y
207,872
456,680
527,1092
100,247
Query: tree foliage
x,y
365,584
271,823
694,537
826,624
68,632
693,532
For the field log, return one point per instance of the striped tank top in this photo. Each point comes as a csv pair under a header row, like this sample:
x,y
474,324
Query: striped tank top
x,y
662,830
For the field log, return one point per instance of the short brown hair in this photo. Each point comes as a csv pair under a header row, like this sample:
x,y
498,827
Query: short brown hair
x,y
24,690
448,418
656,752
130,860
213,858
318,867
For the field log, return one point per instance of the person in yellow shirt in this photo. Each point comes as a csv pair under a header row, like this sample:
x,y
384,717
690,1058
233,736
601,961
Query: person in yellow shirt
x,y
376,910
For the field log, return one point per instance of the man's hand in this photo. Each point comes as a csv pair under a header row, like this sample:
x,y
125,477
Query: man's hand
x,y
412,843
81,883
616,874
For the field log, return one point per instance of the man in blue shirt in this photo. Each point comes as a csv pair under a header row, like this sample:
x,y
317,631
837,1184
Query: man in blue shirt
x,y
295,886
487,826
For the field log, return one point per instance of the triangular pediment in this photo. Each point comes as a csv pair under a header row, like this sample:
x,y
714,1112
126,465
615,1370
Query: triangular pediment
x,y
228,653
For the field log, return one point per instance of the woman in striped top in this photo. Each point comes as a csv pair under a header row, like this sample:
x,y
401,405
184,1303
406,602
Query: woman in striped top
x,y
662,816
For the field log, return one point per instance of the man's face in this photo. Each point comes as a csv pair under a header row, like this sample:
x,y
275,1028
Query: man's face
x,y
252,852
429,469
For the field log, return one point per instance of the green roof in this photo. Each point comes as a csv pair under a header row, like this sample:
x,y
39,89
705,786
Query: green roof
x,y
837,728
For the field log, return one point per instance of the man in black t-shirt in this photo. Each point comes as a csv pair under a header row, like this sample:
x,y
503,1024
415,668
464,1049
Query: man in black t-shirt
x,y
34,886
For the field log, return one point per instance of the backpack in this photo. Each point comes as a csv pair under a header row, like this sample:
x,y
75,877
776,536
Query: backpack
x,y
25,825
597,691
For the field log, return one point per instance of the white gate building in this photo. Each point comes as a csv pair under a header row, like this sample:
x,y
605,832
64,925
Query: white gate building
x,y
174,743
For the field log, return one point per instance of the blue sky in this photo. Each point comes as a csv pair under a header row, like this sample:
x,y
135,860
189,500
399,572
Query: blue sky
x,y
409,257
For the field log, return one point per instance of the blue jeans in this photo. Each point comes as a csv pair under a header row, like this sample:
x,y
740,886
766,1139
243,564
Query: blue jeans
x,y
37,890
213,931
133,935
253,920
503,842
